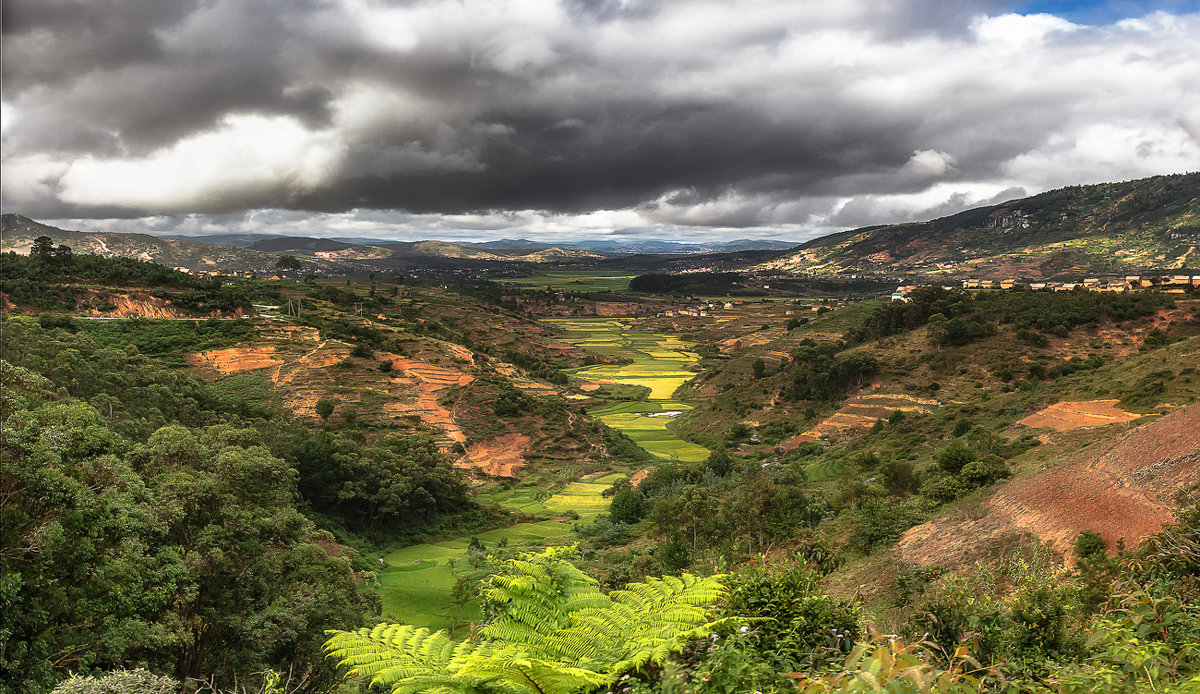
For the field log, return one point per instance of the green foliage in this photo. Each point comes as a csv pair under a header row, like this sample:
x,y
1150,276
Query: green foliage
x,y
185,553
1148,641
1089,545
760,368
325,407
289,262
878,522
954,458
957,317
898,668
628,506
552,631
793,625
138,681
822,377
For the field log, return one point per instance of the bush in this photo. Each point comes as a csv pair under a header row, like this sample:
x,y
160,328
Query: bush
x,y
954,457
1089,545
119,682
801,627
881,521
628,506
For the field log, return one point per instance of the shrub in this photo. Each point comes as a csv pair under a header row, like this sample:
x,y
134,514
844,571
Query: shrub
x,y
881,521
954,457
801,627
1089,545
119,682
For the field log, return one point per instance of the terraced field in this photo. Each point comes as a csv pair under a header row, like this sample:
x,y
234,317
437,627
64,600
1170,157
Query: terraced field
x,y
574,281
659,363
416,583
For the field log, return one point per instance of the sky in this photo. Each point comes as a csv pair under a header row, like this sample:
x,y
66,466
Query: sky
x,y
559,120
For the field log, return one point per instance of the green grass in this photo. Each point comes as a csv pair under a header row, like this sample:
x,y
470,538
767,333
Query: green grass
x,y
415,586
577,281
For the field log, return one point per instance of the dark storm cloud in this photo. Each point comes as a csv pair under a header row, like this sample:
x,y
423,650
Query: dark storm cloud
x,y
812,115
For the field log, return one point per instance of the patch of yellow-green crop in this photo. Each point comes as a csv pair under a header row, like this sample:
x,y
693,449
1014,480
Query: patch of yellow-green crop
x,y
577,281
660,363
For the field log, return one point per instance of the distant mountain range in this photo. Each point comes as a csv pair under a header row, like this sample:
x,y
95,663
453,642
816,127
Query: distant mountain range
x,y
505,247
1109,228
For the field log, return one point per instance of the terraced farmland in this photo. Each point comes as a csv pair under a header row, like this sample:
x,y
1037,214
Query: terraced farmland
x,y
659,363
416,583
575,281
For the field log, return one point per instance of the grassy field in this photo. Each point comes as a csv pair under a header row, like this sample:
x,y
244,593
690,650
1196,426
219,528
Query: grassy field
x,y
416,583
575,281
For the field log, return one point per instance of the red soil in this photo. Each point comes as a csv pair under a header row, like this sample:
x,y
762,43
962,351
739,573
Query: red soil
x,y
417,386
236,359
1065,416
1120,489
499,457
860,412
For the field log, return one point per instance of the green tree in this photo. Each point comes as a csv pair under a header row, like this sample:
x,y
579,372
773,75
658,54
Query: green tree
x,y
289,262
760,368
628,506
325,408
42,248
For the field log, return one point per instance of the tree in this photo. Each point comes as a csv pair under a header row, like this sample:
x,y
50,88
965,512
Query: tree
x,y
760,368
325,408
553,632
628,506
42,248
954,457
289,262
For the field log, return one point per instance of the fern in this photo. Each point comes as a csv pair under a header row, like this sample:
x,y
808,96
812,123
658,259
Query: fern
x,y
556,633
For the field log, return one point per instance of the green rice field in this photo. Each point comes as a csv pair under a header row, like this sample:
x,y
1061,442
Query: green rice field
x,y
659,363
416,582
575,281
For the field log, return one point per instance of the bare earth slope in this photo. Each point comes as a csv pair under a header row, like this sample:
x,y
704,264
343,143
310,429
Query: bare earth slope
x,y
1121,489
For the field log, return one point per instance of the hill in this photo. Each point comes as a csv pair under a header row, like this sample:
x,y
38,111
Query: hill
x,y
17,234
1112,228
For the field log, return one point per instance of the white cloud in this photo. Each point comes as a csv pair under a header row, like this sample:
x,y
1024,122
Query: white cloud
x,y
246,155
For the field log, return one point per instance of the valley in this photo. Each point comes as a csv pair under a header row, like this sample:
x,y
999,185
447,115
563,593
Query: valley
x,y
416,582
878,453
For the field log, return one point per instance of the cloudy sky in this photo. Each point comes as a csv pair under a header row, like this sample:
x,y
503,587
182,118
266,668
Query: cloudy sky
x,y
562,119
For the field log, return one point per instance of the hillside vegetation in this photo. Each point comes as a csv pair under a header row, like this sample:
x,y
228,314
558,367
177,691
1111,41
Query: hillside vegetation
x,y
1003,482
1071,232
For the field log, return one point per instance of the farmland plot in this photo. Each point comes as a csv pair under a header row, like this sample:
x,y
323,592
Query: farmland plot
x,y
660,363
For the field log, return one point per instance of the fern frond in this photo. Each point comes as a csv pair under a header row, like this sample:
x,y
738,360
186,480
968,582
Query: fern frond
x,y
399,655
534,675
557,633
